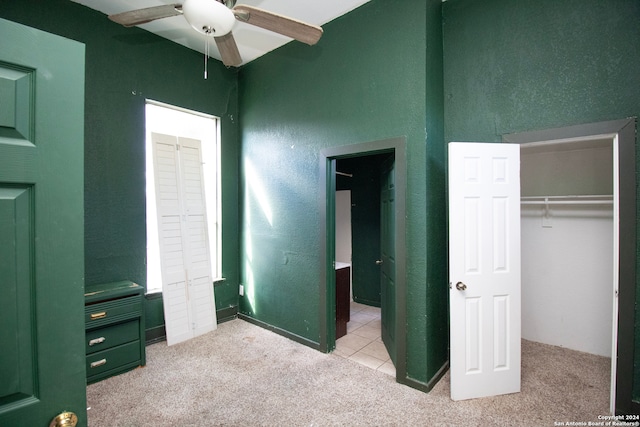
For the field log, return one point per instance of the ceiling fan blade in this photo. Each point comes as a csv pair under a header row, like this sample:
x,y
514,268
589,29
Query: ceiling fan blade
x,y
228,50
301,31
142,16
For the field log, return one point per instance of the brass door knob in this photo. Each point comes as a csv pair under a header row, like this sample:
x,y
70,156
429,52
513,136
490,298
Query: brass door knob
x,y
461,286
65,419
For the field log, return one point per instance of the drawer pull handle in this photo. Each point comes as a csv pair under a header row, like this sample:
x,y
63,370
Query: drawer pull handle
x,y
98,363
96,341
100,315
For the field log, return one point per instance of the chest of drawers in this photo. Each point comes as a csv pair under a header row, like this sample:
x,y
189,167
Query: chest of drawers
x,y
114,329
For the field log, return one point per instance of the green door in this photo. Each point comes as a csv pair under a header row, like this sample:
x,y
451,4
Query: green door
x,y
42,370
388,257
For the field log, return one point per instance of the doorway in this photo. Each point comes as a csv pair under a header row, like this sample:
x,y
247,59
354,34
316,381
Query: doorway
x,y
361,254
617,140
568,234
329,158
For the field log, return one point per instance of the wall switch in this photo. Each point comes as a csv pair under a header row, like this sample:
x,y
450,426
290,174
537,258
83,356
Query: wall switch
x,y
241,290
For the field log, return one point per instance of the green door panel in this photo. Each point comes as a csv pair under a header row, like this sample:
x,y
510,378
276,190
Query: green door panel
x,y
15,298
388,257
42,371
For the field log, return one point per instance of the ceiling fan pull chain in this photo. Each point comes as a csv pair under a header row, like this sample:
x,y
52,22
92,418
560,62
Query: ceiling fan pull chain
x,y
206,55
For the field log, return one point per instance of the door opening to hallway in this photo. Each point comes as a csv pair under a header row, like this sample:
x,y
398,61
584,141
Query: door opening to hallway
x,y
376,306
360,235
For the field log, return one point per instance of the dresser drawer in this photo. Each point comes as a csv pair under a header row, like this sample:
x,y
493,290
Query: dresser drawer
x,y
111,311
111,336
113,358
114,329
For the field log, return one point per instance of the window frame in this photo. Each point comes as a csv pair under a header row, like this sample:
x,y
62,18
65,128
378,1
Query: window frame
x,y
169,119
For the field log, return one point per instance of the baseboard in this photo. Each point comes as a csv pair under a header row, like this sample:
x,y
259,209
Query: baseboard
x,y
286,334
426,387
158,333
154,335
227,314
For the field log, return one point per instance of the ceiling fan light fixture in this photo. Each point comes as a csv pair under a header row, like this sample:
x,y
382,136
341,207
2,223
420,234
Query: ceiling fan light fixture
x,y
208,17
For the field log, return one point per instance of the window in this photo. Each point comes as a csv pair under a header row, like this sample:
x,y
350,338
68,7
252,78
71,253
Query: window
x,y
169,120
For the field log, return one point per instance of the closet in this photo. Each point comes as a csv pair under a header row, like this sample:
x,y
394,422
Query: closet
x,y
569,243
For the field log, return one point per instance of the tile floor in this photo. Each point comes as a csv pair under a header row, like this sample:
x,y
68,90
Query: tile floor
x,y
363,343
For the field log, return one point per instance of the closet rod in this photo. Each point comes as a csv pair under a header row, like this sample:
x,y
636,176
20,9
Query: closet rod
x,y
568,200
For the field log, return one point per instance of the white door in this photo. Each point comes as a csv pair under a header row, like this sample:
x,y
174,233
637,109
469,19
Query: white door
x,y
188,299
484,269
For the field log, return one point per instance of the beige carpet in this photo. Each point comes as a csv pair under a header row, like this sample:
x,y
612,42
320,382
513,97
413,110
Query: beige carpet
x,y
243,375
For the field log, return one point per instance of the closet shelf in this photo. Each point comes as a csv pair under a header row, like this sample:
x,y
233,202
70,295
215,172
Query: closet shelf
x,y
567,200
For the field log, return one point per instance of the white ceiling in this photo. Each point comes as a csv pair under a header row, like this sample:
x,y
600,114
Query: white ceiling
x,y
252,41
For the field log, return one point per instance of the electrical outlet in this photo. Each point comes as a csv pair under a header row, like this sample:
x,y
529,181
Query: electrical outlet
x,y
241,290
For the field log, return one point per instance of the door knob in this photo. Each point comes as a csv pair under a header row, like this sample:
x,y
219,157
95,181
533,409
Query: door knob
x,y
379,262
65,419
461,286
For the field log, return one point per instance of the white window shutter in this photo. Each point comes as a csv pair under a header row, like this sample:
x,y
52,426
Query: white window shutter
x,y
188,298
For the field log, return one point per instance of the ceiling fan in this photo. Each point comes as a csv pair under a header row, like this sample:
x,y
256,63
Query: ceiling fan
x,y
215,18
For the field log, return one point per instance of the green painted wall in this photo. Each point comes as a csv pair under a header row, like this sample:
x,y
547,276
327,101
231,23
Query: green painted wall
x,y
375,74
513,66
434,344
531,64
123,68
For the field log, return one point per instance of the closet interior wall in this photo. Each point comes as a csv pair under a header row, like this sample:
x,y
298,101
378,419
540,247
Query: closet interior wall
x,y
343,226
343,231
568,245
